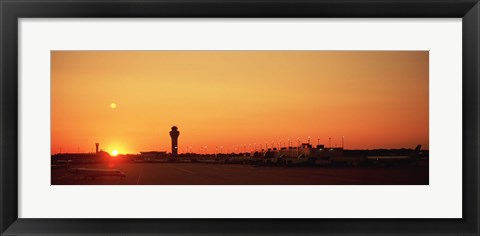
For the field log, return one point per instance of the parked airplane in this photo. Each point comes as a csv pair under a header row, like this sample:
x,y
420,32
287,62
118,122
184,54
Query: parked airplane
x,y
301,160
94,173
235,160
61,164
395,160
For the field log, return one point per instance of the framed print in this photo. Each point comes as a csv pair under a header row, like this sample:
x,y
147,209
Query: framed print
x,y
180,117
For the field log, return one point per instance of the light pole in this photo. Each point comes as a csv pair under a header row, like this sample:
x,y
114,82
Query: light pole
x,y
343,142
298,146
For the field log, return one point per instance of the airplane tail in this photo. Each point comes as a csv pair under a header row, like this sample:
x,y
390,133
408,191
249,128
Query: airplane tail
x,y
416,152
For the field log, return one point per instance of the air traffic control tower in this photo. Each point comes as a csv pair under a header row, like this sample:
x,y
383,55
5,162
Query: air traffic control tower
x,y
174,135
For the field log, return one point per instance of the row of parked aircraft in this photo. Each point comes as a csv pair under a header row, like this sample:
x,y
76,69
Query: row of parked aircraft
x,y
303,160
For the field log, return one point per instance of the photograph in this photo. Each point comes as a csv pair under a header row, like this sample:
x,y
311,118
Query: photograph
x,y
239,117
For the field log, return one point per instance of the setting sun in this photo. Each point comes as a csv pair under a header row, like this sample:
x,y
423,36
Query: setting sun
x,y
114,152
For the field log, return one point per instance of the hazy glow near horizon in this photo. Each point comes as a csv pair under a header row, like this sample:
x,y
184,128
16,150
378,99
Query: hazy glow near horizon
x,y
235,100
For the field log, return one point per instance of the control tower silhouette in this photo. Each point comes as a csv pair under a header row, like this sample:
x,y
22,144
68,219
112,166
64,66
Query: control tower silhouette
x,y
174,135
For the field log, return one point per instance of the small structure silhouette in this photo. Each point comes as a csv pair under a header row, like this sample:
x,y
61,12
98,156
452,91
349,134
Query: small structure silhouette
x,y
174,133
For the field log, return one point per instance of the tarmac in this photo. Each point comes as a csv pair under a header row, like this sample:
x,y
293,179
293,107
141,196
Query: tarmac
x,y
239,174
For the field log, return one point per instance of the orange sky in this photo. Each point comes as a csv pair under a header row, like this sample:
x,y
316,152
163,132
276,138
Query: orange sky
x,y
376,99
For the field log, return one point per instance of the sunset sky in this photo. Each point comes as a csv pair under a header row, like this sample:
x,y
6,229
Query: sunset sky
x,y
376,99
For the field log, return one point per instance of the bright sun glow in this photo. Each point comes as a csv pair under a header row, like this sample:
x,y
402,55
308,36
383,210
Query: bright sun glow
x,y
114,152
113,105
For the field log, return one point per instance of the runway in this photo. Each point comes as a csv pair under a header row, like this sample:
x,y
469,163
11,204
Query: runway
x,y
237,174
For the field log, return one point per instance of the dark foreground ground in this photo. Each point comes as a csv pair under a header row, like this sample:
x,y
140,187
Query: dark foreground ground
x,y
225,174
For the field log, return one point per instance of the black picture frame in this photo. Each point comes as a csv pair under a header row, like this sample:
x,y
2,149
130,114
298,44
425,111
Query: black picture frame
x,y
12,10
